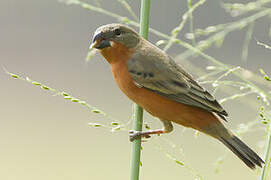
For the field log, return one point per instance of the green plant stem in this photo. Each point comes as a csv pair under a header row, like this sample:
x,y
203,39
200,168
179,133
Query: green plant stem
x,y
136,146
267,154
175,32
191,26
247,41
144,18
138,111
129,9
230,28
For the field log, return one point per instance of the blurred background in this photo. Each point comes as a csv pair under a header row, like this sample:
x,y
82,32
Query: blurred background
x,y
43,136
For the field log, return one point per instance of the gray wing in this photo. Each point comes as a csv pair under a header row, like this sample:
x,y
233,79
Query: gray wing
x,y
166,78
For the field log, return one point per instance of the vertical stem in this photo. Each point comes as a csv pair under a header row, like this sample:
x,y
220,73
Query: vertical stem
x,y
136,146
190,5
138,111
144,18
267,153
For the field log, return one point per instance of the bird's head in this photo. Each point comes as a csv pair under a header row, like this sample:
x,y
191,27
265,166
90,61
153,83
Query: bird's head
x,y
106,35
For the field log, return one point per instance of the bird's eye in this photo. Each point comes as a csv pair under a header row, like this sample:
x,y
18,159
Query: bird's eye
x,y
117,32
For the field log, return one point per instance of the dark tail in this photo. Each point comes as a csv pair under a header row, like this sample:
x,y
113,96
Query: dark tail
x,y
247,155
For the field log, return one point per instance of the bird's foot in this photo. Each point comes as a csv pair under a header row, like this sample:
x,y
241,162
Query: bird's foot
x,y
146,134
133,135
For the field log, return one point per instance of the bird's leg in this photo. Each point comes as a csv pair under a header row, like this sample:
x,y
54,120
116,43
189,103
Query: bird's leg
x,y
168,127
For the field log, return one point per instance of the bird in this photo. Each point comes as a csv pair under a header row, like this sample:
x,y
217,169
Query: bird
x,y
154,81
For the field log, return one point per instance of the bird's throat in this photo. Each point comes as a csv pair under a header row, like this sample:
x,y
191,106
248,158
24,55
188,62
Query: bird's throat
x,y
117,52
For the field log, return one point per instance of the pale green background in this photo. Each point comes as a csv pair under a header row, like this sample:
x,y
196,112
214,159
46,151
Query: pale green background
x,y
44,137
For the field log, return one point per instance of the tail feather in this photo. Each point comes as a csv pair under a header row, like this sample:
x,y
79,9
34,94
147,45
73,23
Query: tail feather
x,y
247,155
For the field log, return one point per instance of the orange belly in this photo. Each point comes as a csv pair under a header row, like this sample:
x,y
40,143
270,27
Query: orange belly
x,y
160,106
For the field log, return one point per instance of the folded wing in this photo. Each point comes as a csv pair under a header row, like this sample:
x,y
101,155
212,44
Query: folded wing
x,y
164,77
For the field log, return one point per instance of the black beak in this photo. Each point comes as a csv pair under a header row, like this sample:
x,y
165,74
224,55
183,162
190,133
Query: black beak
x,y
99,42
